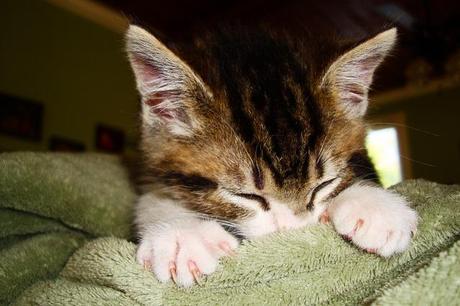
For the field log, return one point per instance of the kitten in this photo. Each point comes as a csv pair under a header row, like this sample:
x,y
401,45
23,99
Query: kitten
x,y
261,136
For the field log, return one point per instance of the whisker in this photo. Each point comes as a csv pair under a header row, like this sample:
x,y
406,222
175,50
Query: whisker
x,y
406,126
417,161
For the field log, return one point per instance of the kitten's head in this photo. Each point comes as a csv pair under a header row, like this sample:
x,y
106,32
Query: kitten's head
x,y
259,133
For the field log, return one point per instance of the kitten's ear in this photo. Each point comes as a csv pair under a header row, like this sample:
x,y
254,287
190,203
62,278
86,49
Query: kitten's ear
x,y
350,76
169,88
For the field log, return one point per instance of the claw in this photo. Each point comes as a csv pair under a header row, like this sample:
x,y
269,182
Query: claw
x,y
358,225
224,246
147,265
172,271
371,250
324,218
195,271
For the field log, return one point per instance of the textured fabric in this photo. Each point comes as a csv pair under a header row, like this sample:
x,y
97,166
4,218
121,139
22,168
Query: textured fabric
x,y
49,205
89,193
91,200
436,284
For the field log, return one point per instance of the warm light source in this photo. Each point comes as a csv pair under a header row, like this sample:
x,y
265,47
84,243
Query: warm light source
x,y
383,147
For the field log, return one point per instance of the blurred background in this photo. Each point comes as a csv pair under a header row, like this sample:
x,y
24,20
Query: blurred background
x,y
65,83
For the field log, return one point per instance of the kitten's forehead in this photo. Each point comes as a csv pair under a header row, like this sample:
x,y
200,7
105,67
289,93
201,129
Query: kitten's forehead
x,y
270,102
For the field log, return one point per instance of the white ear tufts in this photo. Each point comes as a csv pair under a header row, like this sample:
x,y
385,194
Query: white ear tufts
x,y
154,65
167,84
351,75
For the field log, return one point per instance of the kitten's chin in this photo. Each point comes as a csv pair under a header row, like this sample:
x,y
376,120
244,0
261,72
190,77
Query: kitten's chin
x,y
279,218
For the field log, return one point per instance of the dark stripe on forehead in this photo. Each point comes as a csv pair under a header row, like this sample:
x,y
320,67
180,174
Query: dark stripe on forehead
x,y
268,92
242,121
316,126
315,132
234,67
258,177
319,166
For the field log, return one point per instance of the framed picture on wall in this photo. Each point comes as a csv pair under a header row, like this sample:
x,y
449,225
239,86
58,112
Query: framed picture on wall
x,y
61,144
109,139
21,118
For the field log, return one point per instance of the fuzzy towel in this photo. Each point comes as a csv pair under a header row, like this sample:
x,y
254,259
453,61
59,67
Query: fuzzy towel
x,y
65,221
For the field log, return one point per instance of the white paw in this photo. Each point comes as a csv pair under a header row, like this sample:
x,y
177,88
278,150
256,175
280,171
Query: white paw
x,y
374,219
186,252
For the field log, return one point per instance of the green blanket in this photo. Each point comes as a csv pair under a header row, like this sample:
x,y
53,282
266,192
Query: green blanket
x,y
65,225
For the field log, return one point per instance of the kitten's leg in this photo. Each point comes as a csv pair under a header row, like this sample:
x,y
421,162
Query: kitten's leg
x,y
175,244
375,219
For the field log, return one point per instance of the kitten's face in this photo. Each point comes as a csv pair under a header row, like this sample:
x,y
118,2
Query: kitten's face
x,y
216,172
264,145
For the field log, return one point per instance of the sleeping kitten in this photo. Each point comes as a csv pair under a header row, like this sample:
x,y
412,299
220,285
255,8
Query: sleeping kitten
x,y
261,136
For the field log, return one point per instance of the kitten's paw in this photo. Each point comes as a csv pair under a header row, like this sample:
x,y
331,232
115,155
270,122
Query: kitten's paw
x,y
184,254
374,219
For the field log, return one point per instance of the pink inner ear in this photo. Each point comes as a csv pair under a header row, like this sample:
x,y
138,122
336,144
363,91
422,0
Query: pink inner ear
x,y
161,103
355,98
155,101
354,93
147,72
355,88
367,68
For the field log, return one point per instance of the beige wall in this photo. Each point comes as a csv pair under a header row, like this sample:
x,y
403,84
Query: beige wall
x,y
75,67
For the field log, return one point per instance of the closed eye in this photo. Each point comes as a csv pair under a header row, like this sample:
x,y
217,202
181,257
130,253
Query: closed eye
x,y
316,190
254,197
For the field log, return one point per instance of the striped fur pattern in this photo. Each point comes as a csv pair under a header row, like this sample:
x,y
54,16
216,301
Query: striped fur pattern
x,y
255,133
257,117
